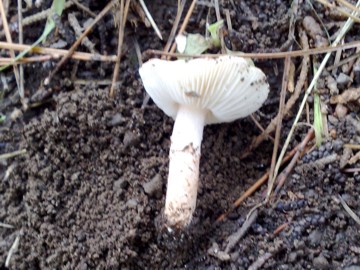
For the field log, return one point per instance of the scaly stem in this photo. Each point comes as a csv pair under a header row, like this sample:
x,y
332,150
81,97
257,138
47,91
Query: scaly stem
x,y
184,166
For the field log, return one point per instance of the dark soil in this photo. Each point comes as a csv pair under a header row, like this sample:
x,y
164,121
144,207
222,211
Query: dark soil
x,y
90,191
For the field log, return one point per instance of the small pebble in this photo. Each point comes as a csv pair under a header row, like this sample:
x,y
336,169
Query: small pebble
x,y
357,177
340,237
356,70
120,184
321,262
130,139
280,206
16,114
233,216
315,154
258,229
132,203
341,111
339,178
315,237
241,221
342,80
116,120
331,84
333,133
333,120
299,244
153,188
337,145
328,146
310,100
292,257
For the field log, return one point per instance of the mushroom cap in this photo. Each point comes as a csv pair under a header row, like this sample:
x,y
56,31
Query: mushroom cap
x,y
227,88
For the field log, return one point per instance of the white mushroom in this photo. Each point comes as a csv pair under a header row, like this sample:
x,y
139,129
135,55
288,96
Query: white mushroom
x,y
196,93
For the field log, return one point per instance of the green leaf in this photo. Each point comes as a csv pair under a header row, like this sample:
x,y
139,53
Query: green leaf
x,y
192,44
214,32
56,9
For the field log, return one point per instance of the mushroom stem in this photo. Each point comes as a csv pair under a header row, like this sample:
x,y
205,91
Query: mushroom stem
x,y
184,166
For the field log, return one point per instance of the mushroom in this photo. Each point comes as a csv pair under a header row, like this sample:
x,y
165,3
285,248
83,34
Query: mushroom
x,y
196,93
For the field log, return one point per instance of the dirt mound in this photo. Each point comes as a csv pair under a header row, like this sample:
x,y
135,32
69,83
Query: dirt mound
x,y
95,185
86,206
90,193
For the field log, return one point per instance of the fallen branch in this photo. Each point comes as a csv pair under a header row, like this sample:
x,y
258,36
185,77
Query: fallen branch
x,y
56,53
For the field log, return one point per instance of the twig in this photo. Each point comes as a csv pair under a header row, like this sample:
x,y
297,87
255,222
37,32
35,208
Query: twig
x,y
260,127
123,11
336,60
12,249
233,239
7,226
137,51
351,170
254,187
344,30
343,12
352,146
278,126
175,26
354,159
150,18
42,15
74,23
287,64
291,83
13,154
228,20
21,67
349,5
169,41
280,228
56,53
105,82
273,55
349,211
291,101
84,8
9,40
184,24
217,10
260,261
344,61
284,174
78,41
9,171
